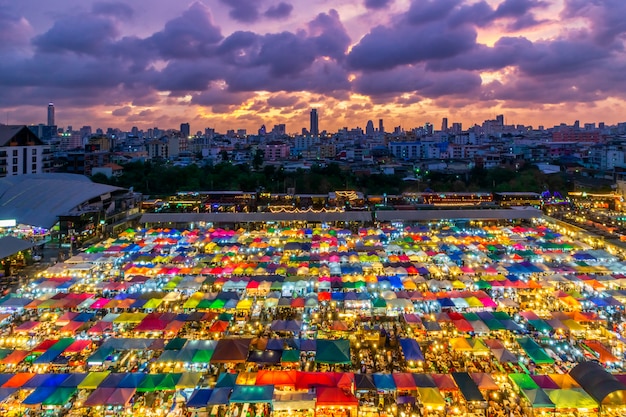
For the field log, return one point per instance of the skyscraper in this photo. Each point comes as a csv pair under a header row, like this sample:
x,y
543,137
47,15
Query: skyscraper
x,y
381,128
500,120
444,124
369,128
185,130
51,114
314,123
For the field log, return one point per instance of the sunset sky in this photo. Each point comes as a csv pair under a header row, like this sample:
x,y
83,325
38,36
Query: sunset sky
x,y
232,64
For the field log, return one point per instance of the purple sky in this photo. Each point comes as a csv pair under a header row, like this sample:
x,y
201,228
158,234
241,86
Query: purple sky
x,y
243,63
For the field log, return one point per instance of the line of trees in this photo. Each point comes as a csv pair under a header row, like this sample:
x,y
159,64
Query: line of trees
x,y
161,178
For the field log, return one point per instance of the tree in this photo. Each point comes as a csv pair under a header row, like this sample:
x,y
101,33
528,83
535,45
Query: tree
x,y
258,159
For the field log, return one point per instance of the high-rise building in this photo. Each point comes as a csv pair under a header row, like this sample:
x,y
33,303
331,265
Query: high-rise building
x,y
369,128
444,124
51,114
500,120
314,123
381,128
185,130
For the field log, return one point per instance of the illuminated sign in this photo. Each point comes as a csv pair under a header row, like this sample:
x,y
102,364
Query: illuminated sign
x,y
8,223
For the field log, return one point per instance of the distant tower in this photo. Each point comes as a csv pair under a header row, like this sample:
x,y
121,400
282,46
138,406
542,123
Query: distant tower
x,y
185,130
500,119
51,114
381,128
444,124
315,131
369,129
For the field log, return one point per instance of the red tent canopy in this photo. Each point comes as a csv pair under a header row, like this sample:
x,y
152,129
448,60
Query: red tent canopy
x,y
331,396
445,382
279,378
404,381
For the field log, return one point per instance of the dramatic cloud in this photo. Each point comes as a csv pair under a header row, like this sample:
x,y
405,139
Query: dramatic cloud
x,y
192,35
245,11
88,35
280,11
146,62
377,4
115,9
388,47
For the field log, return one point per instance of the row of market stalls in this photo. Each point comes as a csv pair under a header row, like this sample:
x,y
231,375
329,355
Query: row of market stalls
x,y
213,317
587,387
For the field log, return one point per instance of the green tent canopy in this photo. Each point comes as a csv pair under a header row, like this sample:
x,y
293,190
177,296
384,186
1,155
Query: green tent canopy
x,y
60,396
202,356
168,382
534,351
290,356
333,351
252,394
176,344
538,398
523,381
541,325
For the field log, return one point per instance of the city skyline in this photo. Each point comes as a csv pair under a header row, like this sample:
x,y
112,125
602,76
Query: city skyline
x,y
233,64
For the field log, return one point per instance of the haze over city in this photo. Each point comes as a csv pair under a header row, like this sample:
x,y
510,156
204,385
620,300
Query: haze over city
x,y
244,63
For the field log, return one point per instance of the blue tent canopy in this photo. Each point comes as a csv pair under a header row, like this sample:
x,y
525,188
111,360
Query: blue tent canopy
x,y
38,396
131,380
384,382
54,380
411,350
219,396
48,356
73,380
6,392
199,398
467,386
226,380
36,381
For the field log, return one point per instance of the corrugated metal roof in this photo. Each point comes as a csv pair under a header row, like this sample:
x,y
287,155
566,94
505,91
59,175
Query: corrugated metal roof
x,y
364,216
38,199
470,214
10,245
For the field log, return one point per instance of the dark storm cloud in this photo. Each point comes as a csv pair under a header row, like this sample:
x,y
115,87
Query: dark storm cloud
x,y
246,11
429,51
387,47
518,13
505,52
426,11
606,17
281,10
14,30
240,48
329,35
285,53
517,8
322,77
282,100
377,4
88,34
115,9
184,76
122,111
192,35
410,78
216,96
